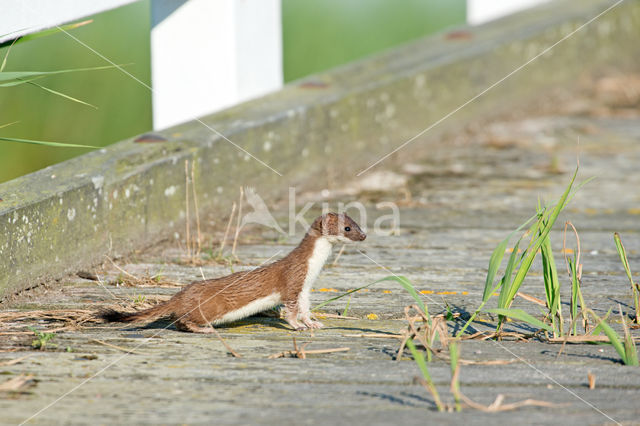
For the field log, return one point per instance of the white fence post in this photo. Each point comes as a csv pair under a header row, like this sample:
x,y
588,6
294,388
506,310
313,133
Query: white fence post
x,y
481,11
207,55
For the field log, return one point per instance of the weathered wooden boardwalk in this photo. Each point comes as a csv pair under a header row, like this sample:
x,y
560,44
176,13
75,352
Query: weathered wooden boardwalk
x,y
467,193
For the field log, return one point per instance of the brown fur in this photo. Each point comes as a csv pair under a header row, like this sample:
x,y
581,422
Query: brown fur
x,y
206,302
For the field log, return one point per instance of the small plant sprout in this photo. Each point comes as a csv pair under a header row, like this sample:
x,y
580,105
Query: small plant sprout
x,y
139,299
42,339
635,287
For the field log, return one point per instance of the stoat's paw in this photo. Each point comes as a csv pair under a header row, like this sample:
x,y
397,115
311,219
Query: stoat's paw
x,y
313,324
296,325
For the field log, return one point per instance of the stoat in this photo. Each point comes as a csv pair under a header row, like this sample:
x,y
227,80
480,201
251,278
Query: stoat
x,y
287,282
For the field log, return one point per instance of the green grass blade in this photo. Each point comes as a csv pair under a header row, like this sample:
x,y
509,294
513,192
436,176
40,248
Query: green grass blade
x,y
420,360
548,224
333,299
422,365
494,263
623,256
575,293
6,56
508,274
615,340
496,260
46,143
598,329
631,353
403,281
521,315
454,354
346,308
550,274
14,78
635,288
406,284
613,337
54,92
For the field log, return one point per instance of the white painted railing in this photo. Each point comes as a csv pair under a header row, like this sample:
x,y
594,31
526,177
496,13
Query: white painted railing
x,y
205,54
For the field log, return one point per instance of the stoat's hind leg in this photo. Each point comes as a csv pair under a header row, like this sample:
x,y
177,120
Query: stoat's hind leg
x,y
185,325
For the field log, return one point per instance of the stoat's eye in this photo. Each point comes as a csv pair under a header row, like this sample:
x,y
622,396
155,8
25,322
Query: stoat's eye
x,y
346,228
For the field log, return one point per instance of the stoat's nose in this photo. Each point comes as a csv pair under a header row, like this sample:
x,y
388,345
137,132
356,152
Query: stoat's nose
x,y
363,236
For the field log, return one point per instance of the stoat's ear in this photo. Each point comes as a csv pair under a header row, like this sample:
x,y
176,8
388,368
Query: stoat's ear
x,y
324,224
329,221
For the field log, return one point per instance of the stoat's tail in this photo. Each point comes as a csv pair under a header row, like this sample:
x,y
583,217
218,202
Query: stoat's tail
x,y
111,315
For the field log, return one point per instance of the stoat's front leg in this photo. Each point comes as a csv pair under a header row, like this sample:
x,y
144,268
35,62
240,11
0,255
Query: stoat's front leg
x,y
291,315
305,313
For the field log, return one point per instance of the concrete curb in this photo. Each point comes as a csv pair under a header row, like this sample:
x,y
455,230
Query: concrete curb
x,y
315,132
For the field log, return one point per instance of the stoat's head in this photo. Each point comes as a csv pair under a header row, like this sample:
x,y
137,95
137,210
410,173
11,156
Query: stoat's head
x,y
337,228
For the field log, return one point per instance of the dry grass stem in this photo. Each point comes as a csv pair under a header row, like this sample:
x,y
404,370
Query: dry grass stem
x,y
532,299
578,274
188,219
564,249
336,316
482,335
583,339
433,391
226,345
376,336
498,405
195,206
135,281
491,362
226,231
75,316
120,269
426,333
301,352
237,234
214,331
14,361
16,383
101,284
335,261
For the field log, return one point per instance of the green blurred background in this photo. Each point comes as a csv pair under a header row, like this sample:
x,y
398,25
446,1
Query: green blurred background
x,y
317,35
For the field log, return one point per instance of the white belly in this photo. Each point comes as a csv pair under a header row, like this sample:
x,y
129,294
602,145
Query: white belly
x,y
251,308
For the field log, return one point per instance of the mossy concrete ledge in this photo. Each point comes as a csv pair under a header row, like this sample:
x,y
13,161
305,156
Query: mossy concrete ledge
x,y
315,133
